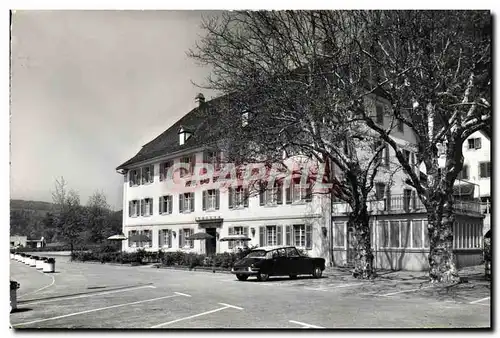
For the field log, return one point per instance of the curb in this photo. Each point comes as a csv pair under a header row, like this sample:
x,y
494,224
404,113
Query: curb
x,y
154,266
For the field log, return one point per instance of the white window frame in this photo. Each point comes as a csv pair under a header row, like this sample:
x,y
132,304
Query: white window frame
x,y
211,200
302,235
186,232
167,233
239,197
186,207
298,192
271,195
147,206
167,202
136,205
271,235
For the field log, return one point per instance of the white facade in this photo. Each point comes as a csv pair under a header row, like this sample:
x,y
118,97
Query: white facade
x,y
477,170
305,216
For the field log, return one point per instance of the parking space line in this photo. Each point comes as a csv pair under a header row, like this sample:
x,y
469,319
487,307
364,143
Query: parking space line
x,y
94,310
329,288
182,294
403,291
42,288
89,295
226,306
479,301
234,307
305,325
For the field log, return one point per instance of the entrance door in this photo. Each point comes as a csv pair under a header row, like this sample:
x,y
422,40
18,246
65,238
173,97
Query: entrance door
x,y
351,251
210,244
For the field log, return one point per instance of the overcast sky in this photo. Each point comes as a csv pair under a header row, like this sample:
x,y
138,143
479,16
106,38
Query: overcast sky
x,y
90,88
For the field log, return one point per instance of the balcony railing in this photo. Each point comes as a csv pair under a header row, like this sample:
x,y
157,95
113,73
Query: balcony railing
x,y
404,204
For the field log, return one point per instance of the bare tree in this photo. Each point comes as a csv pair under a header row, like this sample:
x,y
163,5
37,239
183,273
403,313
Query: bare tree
x,y
67,213
434,67
281,73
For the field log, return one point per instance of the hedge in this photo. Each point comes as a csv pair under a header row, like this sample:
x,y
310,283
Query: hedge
x,y
179,258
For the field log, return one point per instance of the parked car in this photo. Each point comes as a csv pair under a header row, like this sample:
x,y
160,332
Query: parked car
x,y
277,261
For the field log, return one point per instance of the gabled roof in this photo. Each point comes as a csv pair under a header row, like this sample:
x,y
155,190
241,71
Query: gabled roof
x,y
168,142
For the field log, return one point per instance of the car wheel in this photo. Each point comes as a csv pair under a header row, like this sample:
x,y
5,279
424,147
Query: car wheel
x,y
317,272
262,277
242,277
293,276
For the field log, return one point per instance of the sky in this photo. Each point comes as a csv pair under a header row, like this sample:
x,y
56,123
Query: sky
x,y
90,88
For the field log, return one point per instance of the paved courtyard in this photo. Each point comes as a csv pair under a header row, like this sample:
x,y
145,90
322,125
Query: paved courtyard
x,y
83,295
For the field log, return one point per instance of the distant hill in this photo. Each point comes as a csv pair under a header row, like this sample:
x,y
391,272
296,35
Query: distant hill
x,y
30,205
27,219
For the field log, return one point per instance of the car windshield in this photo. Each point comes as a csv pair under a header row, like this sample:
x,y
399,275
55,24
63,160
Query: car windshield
x,y
257,253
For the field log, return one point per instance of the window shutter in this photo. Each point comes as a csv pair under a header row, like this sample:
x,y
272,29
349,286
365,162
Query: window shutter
x,y
205,157
160,205
170,203
130,208
262,236
230,199
261,195
150,206
309,192
387,154
161,237
181,238
181,202
230,231
130,177
162,171
191,242
288,235
141,207
279,193
245,231
204,195
308,236
246,196
192,201
289,193
279,234
477,143
217,199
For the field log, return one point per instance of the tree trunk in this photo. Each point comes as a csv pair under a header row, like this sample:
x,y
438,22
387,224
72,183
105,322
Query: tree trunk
x,y
363,262
442,267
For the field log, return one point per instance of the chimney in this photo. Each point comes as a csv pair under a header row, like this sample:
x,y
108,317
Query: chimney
x,y
200,99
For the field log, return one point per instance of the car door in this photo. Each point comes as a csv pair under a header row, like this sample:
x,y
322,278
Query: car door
x,y
295,262
280,264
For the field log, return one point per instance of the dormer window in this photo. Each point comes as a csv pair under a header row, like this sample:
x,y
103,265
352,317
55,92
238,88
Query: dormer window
x,y
184,135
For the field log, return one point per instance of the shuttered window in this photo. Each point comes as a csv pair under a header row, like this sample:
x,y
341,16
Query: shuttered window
x,y
183,242
133,208
186,202
147,207
165,238
211,199
164,168
165,205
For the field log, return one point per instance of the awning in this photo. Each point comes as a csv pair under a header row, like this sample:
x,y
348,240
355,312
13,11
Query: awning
x,y
119,237
235,238
199,236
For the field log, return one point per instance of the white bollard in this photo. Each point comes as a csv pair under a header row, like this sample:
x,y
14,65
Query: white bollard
x,y
49,265
39,264
13,295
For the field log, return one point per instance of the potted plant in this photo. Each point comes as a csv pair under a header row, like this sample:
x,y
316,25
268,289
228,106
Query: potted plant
x,y
13,295
49,265
39,263
33,261
27,259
